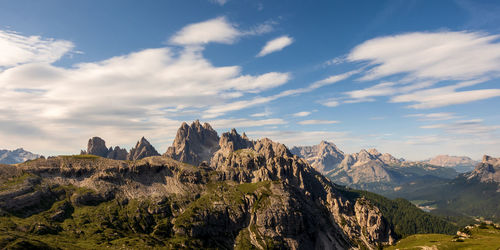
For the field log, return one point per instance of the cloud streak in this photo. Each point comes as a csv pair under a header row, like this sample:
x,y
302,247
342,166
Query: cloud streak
x,y
275,45
18,49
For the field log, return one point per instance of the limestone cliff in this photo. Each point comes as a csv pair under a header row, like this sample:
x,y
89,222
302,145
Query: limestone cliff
x,y
141,150
194,143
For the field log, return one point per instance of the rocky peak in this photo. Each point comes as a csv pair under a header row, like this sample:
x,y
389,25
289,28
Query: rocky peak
x,y
117,153
97,146
486,171
232,141
324,157
194,144
373,152
490,160
141,150
364,156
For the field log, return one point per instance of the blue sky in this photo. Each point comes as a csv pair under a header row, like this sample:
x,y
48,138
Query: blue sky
x,y
412,78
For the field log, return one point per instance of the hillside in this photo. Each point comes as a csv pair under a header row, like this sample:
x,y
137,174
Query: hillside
x,y
478,237
471,194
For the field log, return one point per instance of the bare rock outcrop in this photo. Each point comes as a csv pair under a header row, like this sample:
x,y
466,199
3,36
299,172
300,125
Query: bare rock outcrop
x,y
97,146
117,153
141,150
194,144
486,171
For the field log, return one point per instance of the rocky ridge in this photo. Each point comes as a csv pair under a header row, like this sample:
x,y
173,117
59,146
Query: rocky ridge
x,y
254,193
460,163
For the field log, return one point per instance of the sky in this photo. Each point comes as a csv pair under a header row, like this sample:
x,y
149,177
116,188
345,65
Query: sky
x,y
412,78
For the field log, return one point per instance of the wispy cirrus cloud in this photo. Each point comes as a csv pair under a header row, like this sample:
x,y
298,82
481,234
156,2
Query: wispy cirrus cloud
x,y
302,114
274,45
418,61
434,116
317,122
18,49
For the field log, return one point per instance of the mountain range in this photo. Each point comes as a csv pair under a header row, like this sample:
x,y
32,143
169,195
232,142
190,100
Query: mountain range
x,y
206,191
473,193
16,156
369,169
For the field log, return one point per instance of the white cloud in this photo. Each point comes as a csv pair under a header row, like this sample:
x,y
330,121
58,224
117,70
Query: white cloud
x,y
444,96
219,2
438,55
135,94
335,61
474,127
217,30
221,109
434,116
330,103
317,122
302,114
418,61
262,114
244,123
18,49
275,45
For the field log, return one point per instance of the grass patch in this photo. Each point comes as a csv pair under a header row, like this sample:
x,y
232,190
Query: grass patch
x,y
481,238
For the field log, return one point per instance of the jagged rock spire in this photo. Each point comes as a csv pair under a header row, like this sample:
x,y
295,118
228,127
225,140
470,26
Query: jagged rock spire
x,y
194,143
141,150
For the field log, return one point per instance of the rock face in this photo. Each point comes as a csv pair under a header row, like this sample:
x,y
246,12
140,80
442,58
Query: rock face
x,y
364,167
324,157
141,150
117,153
486,171
16,156
97,146
243,161
194,144
460,163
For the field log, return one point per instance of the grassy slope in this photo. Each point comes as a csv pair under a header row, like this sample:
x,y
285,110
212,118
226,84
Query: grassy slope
x,y
482,239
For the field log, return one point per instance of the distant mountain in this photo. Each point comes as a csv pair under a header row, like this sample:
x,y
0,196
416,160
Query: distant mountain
x,y
486,171
475,193
323,157
461,164
16,156
369,169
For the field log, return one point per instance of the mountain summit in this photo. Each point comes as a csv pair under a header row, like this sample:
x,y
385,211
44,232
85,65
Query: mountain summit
x,y
323,157
194,144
